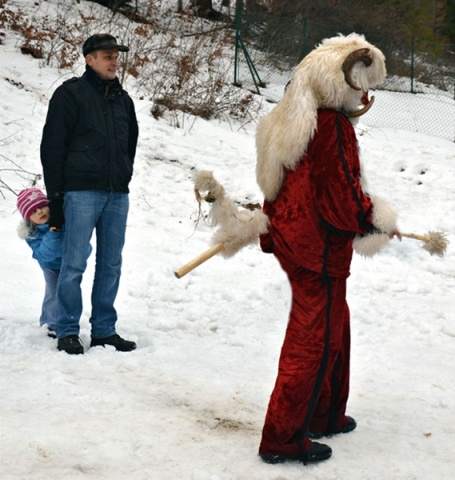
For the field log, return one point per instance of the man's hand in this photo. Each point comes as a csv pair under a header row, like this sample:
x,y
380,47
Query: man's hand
x,y
56,218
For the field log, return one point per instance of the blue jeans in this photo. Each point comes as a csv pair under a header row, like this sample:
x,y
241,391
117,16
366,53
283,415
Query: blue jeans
x,y
49,308
86,211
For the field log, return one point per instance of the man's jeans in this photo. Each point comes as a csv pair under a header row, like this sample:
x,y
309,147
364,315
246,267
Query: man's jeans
x,y
106,213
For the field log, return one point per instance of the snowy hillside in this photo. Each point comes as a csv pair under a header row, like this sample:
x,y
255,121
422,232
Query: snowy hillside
x,y
189,403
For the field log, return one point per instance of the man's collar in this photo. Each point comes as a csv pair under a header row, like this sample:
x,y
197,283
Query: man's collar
x,y
99,83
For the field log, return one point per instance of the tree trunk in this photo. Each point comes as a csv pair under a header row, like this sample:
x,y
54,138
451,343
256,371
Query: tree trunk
x,y
202,5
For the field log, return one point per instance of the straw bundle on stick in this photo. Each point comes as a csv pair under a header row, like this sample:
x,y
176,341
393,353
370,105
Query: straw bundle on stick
x,y
433,242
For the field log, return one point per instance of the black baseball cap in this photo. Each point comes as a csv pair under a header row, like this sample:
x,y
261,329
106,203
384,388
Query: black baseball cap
x,y
102,41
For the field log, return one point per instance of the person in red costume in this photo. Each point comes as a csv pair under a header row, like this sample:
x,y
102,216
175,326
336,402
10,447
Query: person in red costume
x,y
308,168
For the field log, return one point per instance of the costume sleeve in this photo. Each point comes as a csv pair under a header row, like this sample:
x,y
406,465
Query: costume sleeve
x,y
337,193
46,248
60,121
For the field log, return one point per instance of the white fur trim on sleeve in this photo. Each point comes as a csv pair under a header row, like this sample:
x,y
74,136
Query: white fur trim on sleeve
x,y
384,217
385,220
371,244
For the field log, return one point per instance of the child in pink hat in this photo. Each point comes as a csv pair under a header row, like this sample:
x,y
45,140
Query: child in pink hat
x,y
46,246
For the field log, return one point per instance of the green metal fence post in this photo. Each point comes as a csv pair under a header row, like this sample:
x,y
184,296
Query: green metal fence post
x,y
254,73
239,44
412,64
304,41
238,23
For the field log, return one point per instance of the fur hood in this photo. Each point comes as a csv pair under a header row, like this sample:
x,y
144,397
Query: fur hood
x,y
23,229
321,80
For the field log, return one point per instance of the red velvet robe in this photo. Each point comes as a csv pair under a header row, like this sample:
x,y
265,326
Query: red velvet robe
x,y
313,220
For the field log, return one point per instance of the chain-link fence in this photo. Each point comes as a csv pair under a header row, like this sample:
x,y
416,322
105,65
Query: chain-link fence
x,y
281,42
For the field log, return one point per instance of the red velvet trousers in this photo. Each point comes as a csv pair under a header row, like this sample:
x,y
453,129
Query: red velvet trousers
x,y
312,387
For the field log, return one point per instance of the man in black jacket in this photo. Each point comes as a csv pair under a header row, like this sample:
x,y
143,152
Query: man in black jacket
x,y
87,152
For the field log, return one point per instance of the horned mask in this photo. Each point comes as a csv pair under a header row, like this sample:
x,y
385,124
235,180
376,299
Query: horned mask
x,y
337,74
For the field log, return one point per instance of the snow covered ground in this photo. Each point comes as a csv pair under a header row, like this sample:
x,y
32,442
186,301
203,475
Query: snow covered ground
x,y
189,403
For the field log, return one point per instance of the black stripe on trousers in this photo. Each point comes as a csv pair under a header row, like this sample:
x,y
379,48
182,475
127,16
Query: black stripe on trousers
x,y
326,280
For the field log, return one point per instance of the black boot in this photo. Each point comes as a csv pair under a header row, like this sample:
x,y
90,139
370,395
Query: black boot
x,y
317,453
116,341
70,344
349,427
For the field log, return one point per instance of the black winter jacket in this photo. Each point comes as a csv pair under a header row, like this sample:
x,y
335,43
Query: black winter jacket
x,y
89,138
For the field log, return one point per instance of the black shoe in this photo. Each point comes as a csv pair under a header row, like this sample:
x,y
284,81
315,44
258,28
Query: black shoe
x,y
317,453
51,332
116,341
349,427
71,345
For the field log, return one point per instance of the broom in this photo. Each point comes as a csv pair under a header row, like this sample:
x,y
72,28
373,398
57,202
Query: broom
x,y
433,242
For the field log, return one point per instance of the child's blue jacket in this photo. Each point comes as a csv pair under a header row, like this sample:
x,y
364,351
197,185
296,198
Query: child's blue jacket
x,y
47,246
